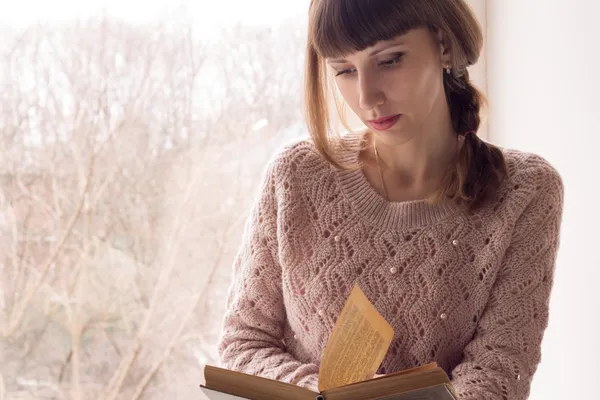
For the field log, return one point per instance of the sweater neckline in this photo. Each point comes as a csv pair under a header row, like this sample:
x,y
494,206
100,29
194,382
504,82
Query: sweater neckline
x,y
368,203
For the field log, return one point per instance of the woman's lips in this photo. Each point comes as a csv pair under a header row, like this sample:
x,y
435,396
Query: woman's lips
x,y
385,123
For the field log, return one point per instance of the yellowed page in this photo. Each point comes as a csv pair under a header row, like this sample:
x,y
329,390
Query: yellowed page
x,y
357,345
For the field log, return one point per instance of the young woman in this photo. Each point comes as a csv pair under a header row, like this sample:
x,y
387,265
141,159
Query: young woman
x,y
452,239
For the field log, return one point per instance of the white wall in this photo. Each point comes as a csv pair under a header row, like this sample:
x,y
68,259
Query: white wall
x,y
544,88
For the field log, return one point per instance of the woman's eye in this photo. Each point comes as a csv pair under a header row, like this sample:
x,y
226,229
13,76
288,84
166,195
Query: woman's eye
x,y
387,63
343,72
393,61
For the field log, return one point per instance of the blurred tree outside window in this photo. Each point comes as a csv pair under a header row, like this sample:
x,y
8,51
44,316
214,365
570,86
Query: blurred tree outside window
x,y
131,154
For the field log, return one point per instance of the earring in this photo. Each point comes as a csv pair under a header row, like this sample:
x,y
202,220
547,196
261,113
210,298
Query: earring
x,y
448,69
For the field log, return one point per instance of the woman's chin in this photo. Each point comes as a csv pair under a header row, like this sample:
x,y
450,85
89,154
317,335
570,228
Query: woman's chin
x,y
392,137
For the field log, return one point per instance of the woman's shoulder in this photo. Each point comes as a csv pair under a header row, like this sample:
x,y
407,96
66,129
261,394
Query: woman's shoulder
x,y
296,158
521,164
301,154
294,151
530,172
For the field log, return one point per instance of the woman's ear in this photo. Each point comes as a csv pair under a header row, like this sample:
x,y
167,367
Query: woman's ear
x,y
443,46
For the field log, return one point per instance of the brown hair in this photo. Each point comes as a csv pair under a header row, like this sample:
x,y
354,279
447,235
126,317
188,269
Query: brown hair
x,y
339,27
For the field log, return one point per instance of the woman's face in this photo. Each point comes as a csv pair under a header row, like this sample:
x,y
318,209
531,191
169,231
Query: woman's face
x,y
400,77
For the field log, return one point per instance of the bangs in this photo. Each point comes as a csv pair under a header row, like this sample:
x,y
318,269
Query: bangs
x,y
341,27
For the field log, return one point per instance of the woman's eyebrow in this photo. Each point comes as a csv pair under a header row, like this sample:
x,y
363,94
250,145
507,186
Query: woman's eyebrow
x,y
373,53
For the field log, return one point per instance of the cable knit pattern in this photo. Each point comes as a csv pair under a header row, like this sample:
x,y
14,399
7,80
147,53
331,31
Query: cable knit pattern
x,y
468,290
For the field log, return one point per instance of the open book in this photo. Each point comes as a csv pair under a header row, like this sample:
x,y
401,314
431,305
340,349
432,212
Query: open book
x,y
357,346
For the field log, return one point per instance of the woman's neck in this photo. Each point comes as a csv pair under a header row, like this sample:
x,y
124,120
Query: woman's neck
x,y
419,163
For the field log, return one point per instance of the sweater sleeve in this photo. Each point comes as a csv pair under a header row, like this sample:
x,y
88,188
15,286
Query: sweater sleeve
x,y
252,334
500,361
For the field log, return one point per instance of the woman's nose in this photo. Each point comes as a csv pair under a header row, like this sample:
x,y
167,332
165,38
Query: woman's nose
x,y
370,94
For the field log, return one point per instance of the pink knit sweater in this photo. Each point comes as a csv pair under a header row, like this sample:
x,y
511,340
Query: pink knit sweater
x,y
468,290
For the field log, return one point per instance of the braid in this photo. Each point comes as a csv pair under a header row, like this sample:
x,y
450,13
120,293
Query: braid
x,y
480,166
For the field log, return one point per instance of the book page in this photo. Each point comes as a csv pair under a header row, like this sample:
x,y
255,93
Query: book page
x,y
358,343
214,395
247,386
412,371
